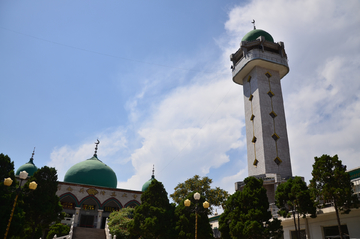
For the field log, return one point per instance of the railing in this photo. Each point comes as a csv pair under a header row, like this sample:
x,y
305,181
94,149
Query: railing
x,y
107,231
70,232
259,54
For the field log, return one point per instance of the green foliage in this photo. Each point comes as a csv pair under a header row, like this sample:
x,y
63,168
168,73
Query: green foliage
x,y
42,205
59,230
7,196
119,222
331,183
246,214
154,218
185,220
293,197
215,196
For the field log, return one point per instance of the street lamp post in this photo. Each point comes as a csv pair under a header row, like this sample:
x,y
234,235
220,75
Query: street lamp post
x,y
7,182
187,203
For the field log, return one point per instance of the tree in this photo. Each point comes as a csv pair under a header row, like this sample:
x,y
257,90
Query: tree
x,y
331,183
185,220
119,222
7,196
215,196
293,197
154,218
59,230
246,214
42,205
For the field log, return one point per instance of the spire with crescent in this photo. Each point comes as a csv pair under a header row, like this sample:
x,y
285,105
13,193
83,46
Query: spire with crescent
x,y
96,147
253,22
32,155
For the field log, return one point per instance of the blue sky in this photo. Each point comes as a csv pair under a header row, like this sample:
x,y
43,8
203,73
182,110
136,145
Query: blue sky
x,y
152,81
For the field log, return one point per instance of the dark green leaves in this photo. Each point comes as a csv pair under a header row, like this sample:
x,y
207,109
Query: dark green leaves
x,y
215,196
246,214
154,218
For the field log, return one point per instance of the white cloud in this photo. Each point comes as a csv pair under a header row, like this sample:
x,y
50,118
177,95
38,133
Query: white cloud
x,y
189,132
190,129
108,151
322,41
229,181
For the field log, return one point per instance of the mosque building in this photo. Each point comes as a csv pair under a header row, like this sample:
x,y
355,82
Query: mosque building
x,y
89,191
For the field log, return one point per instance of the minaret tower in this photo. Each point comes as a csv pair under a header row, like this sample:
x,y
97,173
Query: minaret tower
x,y
259,65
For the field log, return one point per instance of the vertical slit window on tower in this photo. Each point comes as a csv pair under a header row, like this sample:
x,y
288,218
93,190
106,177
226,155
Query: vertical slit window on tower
x,y
275,136
270,93
251,97
277,160
268,75
252,117
272,114
253,139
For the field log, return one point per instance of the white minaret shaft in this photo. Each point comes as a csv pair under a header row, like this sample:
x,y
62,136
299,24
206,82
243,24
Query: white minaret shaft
x,y
259,65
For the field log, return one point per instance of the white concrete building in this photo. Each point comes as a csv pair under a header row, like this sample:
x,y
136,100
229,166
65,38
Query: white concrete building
x,y
325,224
259,65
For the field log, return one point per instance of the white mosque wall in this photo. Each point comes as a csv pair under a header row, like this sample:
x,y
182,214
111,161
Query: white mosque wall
x,y
314,227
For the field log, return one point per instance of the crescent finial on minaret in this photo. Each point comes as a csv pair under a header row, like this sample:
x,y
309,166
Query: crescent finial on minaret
x,y
33,153
96,147
253,22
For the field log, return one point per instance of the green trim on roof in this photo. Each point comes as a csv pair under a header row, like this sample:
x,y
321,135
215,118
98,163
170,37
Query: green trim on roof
x,y
254,34
355,173
214,218
92,172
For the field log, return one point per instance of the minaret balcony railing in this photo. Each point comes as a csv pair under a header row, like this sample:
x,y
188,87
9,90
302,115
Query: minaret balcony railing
x,y
254,56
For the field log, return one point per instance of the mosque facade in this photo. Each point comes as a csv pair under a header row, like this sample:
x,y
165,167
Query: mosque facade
x,y
89,191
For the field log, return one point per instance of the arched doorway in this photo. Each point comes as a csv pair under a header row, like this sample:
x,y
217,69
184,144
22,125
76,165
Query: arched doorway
x,y
89,212
69,202
108,207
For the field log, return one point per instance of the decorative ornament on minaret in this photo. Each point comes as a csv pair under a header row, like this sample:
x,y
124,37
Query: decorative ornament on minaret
x,y
147,184
29,167
253,22
259,65
153,172
32,155
96,147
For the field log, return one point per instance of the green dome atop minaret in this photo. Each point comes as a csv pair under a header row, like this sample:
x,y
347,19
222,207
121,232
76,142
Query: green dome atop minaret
x,y
254,34
92,172
29,167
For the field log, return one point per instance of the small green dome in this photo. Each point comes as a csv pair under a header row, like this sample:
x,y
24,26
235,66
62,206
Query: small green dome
x,y
147,184
92,172
29,167
254,34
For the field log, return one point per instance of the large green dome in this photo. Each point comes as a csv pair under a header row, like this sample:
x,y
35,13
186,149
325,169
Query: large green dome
x,y
92,172
254,34
29,167
147,184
